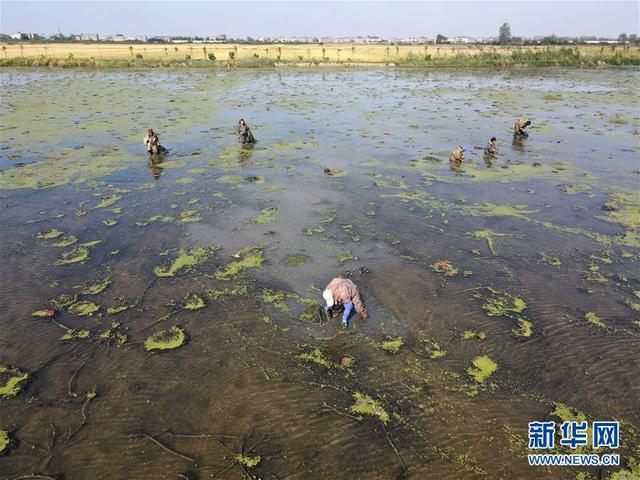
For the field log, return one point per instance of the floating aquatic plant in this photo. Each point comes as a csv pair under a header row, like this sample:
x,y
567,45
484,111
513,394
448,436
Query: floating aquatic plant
x,y
501,304
267,215
107,201
392,345
311,230
553,261
316,356
248,461
47,312
594,319
72,334
345,255
193,302
62,300
483,368
96,287
365,405
109,222
252,260
83,308
190,215
117,309
11,380
186,258
77,255
169,339
444,267
296,260
49,234
488,236
5,441
65,241
470,335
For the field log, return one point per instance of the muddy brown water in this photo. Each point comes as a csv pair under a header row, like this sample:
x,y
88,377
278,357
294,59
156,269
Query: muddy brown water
x,y
255,372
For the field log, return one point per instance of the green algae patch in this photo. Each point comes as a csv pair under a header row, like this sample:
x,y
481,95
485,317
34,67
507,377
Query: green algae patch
x,y
316,356
568,414
77,255
185,259
169,339
445,268
483,368
63,300
11,380
219,294
493,210
117,309
311,230
518,172
267,215
72,334
96,287
623,208
248,461
83,308
114,334
252,260
49,234
108,201
553,261
392,345
296,260
188,216
230,179
5,441
91,243
193,302
488,235
276,299
472,335
65,241
46,313
184,180
501,304
345,255
592,318
365,405
110,222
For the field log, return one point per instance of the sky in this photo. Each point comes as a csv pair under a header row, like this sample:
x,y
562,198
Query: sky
x,y
240,18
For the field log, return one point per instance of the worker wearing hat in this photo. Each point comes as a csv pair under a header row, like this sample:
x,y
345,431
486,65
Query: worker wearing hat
x,y
342,291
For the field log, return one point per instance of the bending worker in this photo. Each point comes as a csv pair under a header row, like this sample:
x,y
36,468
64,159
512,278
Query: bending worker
x,y
152,143
342,291
244,133
519,127
457,156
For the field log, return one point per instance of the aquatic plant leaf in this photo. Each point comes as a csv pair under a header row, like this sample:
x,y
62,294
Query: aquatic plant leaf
x,y
483,368
11,380
253,260
77,255
186,258
96,287
392,345
5,441
365,405
83,308
49,234
193,302
169,339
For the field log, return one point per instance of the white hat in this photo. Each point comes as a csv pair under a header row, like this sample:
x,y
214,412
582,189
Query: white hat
x,y
328,297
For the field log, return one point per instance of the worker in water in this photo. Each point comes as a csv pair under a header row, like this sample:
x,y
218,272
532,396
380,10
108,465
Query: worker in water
x,y
457,156
244,133
342,291
492,147
152,143
519,127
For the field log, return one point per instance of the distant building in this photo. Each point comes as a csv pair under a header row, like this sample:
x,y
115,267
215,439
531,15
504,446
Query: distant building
x,y
119,37
22,36
221,37
86,37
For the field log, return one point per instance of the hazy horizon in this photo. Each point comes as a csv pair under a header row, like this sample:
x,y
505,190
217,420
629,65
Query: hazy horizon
x,y
256,19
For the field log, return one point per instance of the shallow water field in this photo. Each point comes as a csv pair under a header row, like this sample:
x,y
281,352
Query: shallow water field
x,y
159,316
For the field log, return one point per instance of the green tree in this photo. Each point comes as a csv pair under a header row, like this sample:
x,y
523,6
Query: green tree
x,y
440,38
505,34
622,38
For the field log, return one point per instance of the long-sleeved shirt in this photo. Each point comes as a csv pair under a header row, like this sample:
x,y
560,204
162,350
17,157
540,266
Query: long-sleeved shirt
x,y
151,141
457,155
518,128
344,291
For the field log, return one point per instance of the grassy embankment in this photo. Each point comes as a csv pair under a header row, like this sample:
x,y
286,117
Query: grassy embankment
x,y
106,55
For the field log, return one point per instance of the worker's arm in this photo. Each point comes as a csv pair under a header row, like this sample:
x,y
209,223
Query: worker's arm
x,y
357,302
